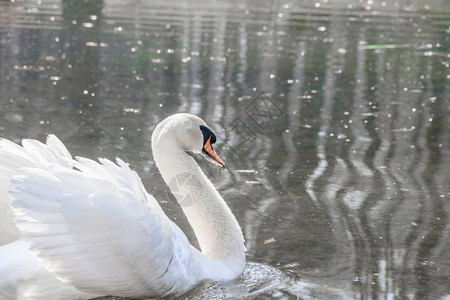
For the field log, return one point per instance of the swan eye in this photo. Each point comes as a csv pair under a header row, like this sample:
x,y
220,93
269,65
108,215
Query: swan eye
x,y
207,133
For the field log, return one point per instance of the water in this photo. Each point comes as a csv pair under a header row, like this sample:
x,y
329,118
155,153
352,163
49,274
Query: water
x,y
332,117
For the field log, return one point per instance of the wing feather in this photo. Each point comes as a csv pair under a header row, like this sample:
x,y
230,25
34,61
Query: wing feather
x,y
13,157
32,281
96,227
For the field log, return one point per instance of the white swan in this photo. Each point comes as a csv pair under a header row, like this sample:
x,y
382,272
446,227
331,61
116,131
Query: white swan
x,y
90,229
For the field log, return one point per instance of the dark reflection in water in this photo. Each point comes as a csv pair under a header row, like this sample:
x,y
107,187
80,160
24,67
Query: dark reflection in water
x,y
332,117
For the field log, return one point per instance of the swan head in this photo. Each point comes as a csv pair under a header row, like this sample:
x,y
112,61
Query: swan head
x,y
188,132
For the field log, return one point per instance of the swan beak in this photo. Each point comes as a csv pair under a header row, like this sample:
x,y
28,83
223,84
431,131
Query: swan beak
x,y
210,153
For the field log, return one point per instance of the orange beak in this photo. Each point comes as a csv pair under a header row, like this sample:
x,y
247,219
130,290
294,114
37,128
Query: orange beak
x,y
209,150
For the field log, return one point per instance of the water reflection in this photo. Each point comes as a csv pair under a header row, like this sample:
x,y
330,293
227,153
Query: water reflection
x,y
333,120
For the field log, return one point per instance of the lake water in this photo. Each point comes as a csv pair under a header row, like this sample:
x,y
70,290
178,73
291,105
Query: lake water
x,y
332,117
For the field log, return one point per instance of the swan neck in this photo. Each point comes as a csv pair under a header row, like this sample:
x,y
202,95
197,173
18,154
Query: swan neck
x,y
217,230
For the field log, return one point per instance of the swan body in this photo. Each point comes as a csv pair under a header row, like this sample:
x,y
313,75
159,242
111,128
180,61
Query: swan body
x,y
89,228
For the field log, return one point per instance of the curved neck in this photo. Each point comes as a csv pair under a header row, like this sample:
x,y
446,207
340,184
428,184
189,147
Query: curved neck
x,y
216,228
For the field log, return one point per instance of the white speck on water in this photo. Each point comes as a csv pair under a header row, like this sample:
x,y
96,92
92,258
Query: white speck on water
x,y
132,110
252,182
245,171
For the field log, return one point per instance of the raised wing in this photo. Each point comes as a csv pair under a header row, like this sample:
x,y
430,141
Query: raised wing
x,y
13,157
95,227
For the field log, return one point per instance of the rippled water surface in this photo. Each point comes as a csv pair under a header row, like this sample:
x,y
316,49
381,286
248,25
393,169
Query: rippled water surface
x,y
332,116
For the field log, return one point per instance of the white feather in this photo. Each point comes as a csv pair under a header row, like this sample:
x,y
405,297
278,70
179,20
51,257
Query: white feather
x,y
13,157
104,236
